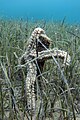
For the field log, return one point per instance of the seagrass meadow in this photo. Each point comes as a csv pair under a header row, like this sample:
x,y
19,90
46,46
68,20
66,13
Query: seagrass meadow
x,y
61,85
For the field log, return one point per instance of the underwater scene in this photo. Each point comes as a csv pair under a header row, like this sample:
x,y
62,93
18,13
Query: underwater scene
x,y
39,59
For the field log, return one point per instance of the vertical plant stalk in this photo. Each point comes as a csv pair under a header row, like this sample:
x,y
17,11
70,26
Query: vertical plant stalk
x,y
11,92
1,100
